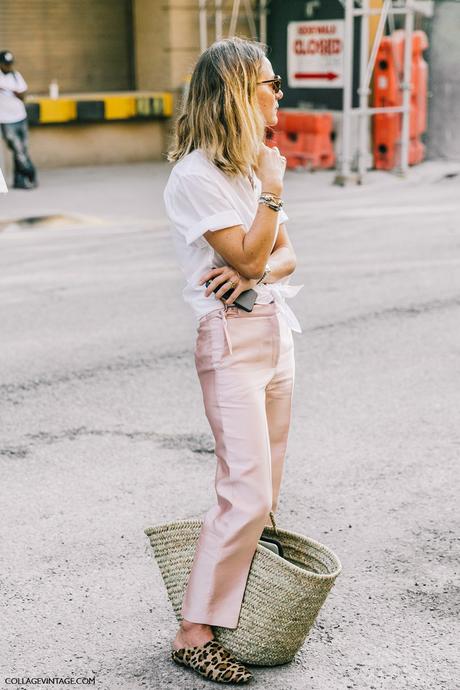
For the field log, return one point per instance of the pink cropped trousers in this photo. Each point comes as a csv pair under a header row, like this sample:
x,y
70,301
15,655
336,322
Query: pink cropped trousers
x,y
245,364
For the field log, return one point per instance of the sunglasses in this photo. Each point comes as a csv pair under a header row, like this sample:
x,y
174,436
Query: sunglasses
x,y
275,83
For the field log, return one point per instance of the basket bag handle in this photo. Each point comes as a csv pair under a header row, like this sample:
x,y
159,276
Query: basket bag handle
x,y
272,518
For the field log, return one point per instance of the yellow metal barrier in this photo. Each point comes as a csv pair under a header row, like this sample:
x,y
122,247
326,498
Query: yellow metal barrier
x,y
168,104
57,110
99,107
119,107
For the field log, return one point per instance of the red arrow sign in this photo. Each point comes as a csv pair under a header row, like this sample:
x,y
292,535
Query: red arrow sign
x,y
316,75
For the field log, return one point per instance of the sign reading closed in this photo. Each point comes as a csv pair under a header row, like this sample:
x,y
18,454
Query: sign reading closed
x,y
315,54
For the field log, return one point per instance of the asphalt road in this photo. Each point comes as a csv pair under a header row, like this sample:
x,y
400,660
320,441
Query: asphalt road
x,y
103,432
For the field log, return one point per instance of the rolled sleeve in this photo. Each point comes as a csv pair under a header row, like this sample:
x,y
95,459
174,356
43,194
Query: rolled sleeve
x,y
196,204
219,221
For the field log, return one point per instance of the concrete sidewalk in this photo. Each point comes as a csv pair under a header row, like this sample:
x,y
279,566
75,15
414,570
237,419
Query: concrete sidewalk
x,y
103,431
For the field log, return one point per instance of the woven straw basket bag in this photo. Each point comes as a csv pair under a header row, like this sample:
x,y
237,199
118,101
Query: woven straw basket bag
x,y
282,597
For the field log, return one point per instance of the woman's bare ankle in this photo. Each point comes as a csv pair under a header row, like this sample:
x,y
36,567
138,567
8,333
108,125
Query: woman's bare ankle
x,y
192,634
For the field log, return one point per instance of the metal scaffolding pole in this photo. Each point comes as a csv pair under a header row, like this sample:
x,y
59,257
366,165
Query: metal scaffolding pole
x,y
234,17
363,93
219,19
345,160
406,87
249,13
203,26
369,68
263,21
366,69
250,19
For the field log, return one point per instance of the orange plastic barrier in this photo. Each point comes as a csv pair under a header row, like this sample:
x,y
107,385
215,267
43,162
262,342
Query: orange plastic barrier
x,y
304,138
388,76
386,128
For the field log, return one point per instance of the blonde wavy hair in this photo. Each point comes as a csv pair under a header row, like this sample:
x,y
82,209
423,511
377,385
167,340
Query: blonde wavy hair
x,y
220,114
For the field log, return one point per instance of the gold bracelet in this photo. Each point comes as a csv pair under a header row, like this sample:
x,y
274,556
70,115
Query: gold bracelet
x,y
277,196
274,203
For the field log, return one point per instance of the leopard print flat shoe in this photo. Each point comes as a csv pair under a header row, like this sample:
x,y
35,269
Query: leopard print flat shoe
x,y
212,661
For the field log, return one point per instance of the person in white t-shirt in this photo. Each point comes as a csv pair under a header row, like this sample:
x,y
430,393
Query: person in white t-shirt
x,y
223,200
13,121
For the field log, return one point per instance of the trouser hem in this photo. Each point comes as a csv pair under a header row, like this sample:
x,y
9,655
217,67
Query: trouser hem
x,y
212,620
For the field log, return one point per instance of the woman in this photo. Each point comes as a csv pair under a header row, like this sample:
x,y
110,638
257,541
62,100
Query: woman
x,y
223,199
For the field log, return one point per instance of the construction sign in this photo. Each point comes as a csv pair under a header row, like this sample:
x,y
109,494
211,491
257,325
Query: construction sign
x,y
315,54
306,40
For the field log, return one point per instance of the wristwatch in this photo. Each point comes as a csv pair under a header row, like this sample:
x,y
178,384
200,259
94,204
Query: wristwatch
x,y
266,272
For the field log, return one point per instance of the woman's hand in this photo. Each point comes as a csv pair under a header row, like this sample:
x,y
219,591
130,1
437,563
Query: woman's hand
x,y
271,166
228,279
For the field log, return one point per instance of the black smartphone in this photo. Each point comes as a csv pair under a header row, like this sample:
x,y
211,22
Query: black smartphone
x,y
272,544
244,301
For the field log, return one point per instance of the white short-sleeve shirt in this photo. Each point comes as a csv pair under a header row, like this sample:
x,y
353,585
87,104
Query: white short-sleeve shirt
x,y
12,109
200,197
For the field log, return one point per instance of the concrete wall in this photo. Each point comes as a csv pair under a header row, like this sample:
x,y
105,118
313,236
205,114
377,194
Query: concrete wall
x,y
443,138
104,143
167,40
85,44
151,42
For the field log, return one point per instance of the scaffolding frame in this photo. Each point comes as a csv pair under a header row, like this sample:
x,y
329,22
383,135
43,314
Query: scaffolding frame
x,y
352,9
408,9
258,29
